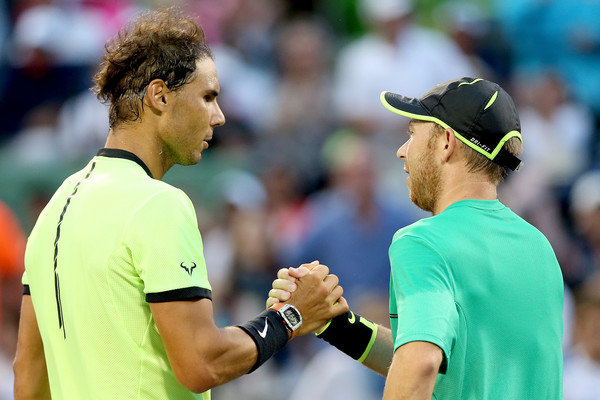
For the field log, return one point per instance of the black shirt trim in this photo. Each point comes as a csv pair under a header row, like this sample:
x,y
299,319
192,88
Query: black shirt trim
x,y
119,153
189,293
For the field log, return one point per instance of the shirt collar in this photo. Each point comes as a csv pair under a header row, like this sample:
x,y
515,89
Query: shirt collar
x,y
119,153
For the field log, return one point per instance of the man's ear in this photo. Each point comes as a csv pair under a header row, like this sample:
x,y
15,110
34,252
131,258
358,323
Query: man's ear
x,y
449,143
157,95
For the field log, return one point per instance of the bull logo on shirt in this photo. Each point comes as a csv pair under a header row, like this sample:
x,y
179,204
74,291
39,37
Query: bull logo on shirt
x,y
190,269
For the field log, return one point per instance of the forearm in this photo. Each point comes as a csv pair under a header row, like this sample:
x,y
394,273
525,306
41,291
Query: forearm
x,y
202,355
31,383
381,354
361,339
31,375
229,354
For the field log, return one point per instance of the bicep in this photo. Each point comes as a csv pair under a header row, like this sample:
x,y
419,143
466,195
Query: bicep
x,y
201,354
179,322
413,372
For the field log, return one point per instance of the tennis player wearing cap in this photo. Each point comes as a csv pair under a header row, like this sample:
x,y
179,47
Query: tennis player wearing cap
x,y
475,291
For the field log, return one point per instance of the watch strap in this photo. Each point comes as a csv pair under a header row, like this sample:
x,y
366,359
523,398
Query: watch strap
x,y
279,306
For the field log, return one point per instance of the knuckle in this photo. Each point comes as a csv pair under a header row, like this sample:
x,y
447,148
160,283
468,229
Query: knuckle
x,y
324,290
279,283
334,278
282,273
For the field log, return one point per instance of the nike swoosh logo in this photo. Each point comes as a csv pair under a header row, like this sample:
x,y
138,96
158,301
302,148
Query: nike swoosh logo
x,y
263,333
352,318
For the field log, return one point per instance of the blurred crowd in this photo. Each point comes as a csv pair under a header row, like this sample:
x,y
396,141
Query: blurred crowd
x,y
305,167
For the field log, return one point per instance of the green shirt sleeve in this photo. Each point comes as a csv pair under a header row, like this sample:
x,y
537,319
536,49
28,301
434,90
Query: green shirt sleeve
x,y
422,296
166,248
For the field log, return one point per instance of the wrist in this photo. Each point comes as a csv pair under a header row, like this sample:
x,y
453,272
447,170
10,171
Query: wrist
x,y
350,333
269,333
291,317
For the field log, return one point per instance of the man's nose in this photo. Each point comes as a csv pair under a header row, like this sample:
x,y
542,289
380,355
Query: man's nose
x,y
218,118
402,151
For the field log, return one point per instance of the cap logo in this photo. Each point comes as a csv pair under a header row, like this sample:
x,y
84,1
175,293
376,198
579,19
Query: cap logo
x,y
480,145
492,100
469,83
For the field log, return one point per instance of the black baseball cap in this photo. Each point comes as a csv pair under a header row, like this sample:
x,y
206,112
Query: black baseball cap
x,y
481,114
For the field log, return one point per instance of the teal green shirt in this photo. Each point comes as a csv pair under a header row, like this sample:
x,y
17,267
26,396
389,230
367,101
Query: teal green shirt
x,y
111,240
485,286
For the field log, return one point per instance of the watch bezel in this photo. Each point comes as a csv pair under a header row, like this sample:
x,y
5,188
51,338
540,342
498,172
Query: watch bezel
x,y
290,308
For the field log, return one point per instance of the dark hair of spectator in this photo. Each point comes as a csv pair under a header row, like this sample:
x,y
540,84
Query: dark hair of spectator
x,y
160,44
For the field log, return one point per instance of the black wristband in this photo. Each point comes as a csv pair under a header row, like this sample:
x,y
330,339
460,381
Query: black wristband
x,y
269,333
350,333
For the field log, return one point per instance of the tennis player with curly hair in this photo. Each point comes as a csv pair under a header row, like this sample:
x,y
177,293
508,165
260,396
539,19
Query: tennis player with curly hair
x,y
117,301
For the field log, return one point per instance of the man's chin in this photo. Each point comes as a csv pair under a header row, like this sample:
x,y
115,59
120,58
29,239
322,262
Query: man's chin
x,y
196,157
191,160
417,201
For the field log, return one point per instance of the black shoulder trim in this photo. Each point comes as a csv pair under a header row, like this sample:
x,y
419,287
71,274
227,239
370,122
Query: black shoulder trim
x,y
26,290
189,293
120,153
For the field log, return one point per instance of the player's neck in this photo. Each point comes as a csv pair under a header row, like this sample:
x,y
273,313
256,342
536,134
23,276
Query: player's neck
x,y
464,186
137,140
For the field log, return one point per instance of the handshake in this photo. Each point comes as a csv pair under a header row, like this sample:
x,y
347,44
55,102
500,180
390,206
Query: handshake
x,y
314,292
309,299
317,297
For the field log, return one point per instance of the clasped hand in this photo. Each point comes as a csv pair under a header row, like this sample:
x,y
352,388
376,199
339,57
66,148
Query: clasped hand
x,y
313,291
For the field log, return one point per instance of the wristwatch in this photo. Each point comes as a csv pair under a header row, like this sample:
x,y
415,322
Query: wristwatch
x,y
291,317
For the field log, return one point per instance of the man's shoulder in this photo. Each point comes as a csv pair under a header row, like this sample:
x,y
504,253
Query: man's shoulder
x,y
420,229
161,196
129,179
126,187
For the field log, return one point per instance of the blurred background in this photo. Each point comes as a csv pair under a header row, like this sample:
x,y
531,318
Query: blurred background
x,y
305,167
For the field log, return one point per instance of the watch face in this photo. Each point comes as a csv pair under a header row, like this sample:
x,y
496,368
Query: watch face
x,y
292,316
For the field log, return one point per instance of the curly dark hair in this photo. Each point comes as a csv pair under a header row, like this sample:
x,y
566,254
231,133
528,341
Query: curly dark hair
x,y
161,44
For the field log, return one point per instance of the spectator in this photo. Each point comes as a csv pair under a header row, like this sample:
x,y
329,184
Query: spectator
x,y
397,54
301,115
582,362
559,134
585,212
563,34
476,32
288,216
352,223
52,49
